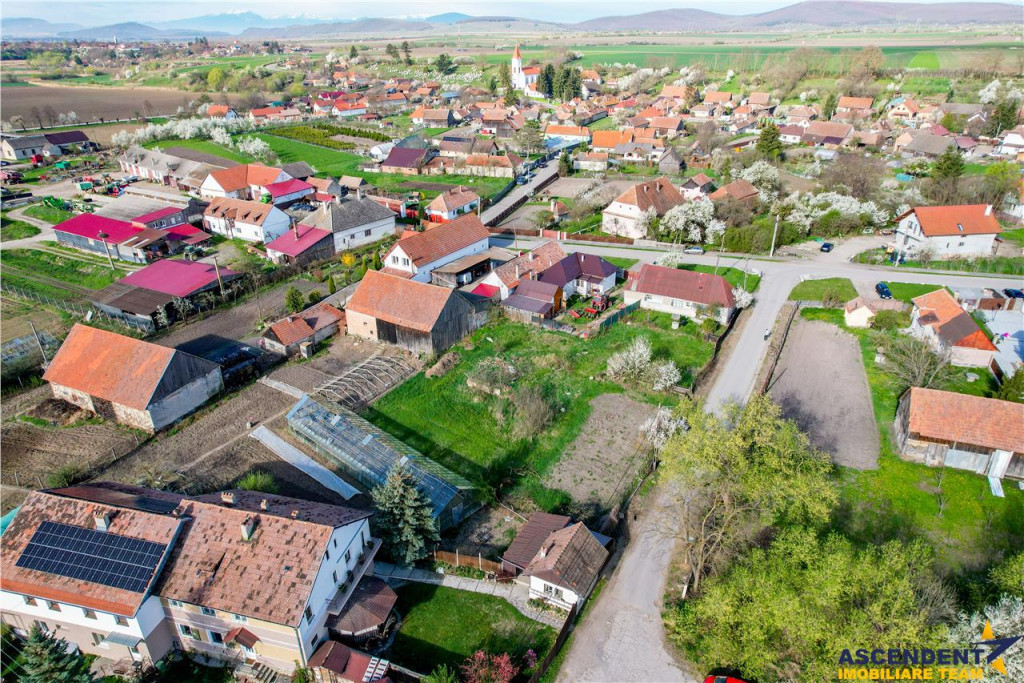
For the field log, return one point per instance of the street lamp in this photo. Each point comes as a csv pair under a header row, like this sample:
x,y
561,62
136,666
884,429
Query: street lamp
x,y
103,238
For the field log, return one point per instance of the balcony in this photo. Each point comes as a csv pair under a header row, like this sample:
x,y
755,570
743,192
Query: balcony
x,y
364,562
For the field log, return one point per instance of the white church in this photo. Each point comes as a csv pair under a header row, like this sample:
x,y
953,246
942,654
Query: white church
x,y
525,79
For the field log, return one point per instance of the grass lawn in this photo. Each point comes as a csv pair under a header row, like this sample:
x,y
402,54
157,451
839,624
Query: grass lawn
x,y
1015,236
11,229
607,123
445,626
472,433
90,275
48,213
815,290
901,499
905,291
203,146
735,276
620,262
1004,265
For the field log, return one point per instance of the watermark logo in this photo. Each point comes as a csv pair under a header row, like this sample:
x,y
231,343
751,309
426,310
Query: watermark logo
x,y
928,664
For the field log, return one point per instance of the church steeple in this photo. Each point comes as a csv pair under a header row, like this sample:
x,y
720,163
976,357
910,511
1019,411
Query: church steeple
x,y
515,53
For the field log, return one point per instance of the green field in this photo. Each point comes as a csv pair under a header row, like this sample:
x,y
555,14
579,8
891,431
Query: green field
x,y
471,433
815,290
203,146
87,273
12,229
48,213
902,499
735,276
445,626
904,291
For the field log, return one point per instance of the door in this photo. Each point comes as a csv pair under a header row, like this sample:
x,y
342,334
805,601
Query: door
x,y
387,332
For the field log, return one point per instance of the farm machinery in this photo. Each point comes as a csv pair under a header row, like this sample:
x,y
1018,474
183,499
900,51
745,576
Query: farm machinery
x,y
193,252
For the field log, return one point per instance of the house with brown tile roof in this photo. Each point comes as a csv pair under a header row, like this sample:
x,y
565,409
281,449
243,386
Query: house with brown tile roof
x,y
416,316
566,566
247,220
944,428
245,181
312,326
452,203
530,538
938,319
529,265
680,292
853,108
418,253
740,190
130,381
335,662
944,232
624,216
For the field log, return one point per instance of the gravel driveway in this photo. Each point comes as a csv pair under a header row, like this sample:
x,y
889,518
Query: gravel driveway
x,y
821,384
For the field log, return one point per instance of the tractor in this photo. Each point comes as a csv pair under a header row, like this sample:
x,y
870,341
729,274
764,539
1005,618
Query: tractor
x,y
193,252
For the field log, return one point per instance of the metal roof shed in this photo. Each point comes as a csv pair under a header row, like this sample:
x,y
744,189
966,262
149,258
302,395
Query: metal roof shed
x,y
368,453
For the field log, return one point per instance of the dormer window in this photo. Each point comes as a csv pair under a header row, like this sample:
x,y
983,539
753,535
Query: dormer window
x,y
960,227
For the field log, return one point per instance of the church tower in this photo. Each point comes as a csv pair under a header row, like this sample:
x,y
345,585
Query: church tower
x,y
518,80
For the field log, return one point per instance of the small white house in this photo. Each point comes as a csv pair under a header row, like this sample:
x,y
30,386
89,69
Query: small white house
x,y
860,312
684,293
625,215
245,181
250,221
354,220
415,256
945,232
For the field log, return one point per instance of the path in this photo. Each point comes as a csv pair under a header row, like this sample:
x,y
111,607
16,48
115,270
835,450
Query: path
x,y
519,193
515,593
296,458
45,234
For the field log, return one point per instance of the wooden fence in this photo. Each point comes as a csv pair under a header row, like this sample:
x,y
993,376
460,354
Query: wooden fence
x,y
458,559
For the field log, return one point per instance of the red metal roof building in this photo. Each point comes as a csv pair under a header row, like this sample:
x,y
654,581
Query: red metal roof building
x,y
179,278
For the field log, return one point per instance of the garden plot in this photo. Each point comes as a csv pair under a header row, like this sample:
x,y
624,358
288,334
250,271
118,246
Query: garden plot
x,y
821,384
599,468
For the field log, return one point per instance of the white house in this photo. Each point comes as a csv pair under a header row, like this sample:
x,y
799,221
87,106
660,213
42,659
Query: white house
x,y
451,204
684,293
247,220
245,181
939,320
18,147
355,220
624,216
946,232
1012,142
860,312
415,256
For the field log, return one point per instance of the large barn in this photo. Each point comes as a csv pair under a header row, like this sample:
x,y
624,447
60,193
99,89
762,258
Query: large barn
x,y
419,317
136,383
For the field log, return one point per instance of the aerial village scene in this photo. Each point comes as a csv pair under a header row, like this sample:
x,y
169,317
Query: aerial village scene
x,y
449,342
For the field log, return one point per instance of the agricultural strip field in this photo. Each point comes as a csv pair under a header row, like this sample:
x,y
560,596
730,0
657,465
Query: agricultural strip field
x,y
93,103
475,433
57,275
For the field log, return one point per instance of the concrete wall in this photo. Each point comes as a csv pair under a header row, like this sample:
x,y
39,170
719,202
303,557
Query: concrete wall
x,y
361,325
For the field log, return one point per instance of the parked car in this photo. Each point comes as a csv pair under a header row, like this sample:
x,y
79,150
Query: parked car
x,y
541,164
695,249
883,291
1013,293
723,679
827,247
521,180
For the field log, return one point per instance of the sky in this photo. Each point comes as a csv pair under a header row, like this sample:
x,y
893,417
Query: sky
x,y
103,13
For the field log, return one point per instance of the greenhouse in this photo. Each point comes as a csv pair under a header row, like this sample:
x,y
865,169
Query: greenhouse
x,y
367,454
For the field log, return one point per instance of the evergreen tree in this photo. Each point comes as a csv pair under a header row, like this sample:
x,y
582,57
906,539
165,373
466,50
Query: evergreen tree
x,y
769,145
404,517
949,166
46,659
505,77
353,52
829,107
1004,117
294,300
407,52
331,287
546,81
392,52
443,63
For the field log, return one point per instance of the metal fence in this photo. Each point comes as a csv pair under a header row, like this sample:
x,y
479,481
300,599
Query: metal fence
x,y
74,307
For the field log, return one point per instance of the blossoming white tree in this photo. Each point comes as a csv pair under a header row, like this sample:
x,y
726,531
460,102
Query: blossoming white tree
x,y
765,177
742,297
693,221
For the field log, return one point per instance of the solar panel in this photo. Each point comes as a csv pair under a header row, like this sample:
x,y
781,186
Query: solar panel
x,y
94,556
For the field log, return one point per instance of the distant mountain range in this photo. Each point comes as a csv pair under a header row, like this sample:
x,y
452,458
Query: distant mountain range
x,y
249,25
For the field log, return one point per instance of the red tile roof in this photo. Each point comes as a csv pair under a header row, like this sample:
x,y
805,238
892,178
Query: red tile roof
x,y
244,175
659,194
964,419
455,198
176,277
962,219
90,225
953,325
737,189
296,328
46,506
241,210
688,285
424,248
847,102
399,301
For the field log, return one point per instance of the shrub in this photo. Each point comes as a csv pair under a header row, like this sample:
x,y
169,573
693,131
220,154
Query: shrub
x,y
832,297
294,300
68,475
890,320
314,296
258,481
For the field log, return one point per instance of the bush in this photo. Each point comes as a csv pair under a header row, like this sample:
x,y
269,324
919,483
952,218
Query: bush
x,y
294,300
258,481
832,297
314,296
68,475
890,320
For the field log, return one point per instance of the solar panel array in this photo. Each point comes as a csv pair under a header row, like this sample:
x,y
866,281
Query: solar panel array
x,y
94,556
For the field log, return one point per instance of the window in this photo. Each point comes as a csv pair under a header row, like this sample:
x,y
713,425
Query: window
x,y
366,234
41,625
185,630
309,615
334,576
175,603
89,614
348,555
133,649
335,542
121,621
208,612
53,605
316,639
216,638
247,649
239,617
30,601
97,639
553,592
327,554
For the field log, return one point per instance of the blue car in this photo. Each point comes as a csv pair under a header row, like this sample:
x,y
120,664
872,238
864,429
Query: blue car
x,y
882,290
1014,293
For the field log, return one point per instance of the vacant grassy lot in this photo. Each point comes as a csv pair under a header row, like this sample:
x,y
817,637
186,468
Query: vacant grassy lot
x,y
11,229
203,146
475,433
48,213
445,626
905,291
87,274
816,290
953,509
735,276
1015,236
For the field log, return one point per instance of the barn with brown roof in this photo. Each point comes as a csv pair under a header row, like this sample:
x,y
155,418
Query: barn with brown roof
x,y
416,316
944,428
133,382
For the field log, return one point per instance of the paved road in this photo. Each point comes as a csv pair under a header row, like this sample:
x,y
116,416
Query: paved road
x,y
543,175
46,230
622,638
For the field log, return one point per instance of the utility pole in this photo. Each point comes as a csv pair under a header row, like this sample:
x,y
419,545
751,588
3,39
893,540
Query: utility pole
x,y
220,281
103,238
38,343
774,233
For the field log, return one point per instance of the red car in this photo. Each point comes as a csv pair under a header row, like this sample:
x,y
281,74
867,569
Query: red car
x,y
723,679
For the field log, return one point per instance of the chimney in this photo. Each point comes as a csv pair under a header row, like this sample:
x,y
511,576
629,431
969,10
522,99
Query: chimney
x,y
101,520
988,210
248,526
264,505
295,514
227,497
543,551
